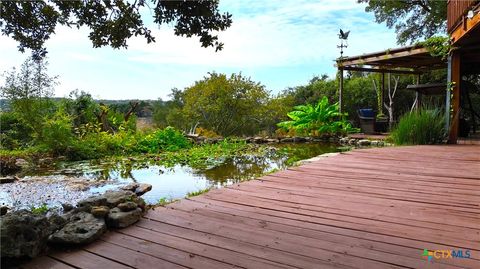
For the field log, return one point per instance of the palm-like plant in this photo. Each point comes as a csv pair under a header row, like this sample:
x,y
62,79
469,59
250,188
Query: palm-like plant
x,y
322,118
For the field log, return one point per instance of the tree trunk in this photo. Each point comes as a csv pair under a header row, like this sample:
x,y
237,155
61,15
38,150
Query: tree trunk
x,y
391,96
102,119
133,106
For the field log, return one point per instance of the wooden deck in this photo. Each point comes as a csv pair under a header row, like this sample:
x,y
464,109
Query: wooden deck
x,y
372,208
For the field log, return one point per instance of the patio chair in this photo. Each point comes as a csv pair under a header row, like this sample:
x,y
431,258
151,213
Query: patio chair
x,y
367,120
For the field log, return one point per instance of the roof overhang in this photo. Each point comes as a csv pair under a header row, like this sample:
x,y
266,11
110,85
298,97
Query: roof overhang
x,y
466,31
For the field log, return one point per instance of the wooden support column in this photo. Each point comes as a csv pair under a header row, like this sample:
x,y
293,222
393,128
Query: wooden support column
x,y
456,77
340,92
447,94
380,105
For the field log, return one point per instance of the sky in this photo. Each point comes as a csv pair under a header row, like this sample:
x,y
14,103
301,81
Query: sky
x,y
278,43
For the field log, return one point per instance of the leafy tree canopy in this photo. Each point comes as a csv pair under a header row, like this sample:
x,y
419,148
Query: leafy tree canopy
x,y
226,105
111,22
413,19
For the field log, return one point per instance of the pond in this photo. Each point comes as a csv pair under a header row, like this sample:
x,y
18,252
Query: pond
x,y
68,182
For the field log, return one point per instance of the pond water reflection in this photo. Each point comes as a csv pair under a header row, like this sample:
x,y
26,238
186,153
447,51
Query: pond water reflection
x,y
170,183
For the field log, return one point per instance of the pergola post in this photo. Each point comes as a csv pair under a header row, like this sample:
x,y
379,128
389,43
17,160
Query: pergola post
x,y
340,91
455,101
380,105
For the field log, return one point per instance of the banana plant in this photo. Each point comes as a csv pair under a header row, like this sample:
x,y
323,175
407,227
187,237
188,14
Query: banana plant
x,y
322,118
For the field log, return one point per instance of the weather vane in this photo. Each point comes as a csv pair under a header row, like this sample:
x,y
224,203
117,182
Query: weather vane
x,y
343,36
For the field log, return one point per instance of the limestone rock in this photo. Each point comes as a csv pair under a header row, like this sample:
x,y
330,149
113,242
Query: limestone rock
x,y
23,234
56,222
142,188
21,162
259,140
99,211
116,197
130,187
127,206
363,142
3,210
119,219
7,180
93,201
298,139
109,198
84,228
141,203
67,207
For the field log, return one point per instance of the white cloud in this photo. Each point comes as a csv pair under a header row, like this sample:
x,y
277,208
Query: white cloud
x,y
280,43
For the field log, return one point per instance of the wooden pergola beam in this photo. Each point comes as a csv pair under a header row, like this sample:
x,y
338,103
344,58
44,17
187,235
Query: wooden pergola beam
x,y
379,57
381,70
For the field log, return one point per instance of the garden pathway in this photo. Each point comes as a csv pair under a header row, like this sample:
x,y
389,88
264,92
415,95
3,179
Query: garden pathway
x,y
368,208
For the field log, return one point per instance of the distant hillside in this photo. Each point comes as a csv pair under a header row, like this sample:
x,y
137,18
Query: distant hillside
x,y
144,108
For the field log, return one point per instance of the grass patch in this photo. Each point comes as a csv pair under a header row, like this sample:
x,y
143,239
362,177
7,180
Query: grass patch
x,y
199,192
423,127
164,201
40,210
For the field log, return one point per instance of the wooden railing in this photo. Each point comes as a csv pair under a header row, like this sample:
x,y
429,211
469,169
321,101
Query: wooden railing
x,y
456,9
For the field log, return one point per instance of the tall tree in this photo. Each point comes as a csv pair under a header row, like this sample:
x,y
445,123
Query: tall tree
x,y
28,91
111,22
226,105
413,19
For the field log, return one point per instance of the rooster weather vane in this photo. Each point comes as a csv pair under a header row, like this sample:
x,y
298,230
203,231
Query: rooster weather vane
x,y
343,36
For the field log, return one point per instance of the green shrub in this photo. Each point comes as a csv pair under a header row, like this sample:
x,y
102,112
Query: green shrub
x,y
56,134
168,139
426,126
14,132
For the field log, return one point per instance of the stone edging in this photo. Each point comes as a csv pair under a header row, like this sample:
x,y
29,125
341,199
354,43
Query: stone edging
x,y
26,235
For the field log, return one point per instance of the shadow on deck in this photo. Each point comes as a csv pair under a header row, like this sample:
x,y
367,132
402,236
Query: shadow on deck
x,y
373,208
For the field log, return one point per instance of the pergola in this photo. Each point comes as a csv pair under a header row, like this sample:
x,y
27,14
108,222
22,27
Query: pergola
x,y
414,60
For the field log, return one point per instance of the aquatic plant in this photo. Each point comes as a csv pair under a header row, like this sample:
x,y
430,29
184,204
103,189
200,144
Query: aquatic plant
x,y
168,139
207,155
40,209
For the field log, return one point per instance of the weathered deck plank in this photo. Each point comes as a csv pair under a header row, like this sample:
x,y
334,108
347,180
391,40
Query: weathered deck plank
x,y
373,208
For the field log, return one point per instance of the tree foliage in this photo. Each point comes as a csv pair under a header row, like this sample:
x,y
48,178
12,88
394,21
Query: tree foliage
x,y
413,19
111,22
28,91
227,106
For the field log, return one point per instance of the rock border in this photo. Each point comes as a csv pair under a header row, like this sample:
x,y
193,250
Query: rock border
x,y
25,234
262,140
363,142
